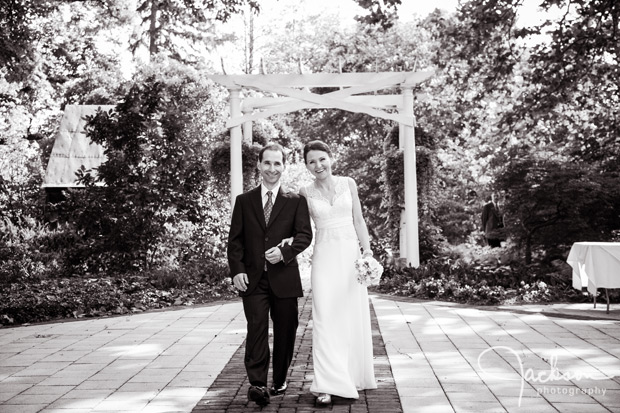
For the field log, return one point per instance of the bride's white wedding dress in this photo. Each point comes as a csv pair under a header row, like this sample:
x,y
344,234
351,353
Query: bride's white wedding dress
x,y
341,334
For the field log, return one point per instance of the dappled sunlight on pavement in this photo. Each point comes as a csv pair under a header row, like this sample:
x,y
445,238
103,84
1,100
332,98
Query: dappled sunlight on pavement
x,y
480,359
140,350
429,357
158,361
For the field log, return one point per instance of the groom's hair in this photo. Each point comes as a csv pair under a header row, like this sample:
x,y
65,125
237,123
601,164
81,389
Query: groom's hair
x,y
316,146
272,146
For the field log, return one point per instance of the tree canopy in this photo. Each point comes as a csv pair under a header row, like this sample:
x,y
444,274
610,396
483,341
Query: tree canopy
x,y
530,109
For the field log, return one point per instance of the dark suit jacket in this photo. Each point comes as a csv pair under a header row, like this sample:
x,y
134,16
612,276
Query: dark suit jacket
x,y
491,221
250,237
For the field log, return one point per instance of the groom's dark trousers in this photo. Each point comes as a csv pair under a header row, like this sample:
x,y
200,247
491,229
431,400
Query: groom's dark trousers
x,y
273,288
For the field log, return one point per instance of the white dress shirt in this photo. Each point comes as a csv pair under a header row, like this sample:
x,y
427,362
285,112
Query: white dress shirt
x,y
274,193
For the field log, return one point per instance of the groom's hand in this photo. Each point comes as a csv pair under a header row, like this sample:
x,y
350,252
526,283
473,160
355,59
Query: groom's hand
x,y
241,281
285,241
273,255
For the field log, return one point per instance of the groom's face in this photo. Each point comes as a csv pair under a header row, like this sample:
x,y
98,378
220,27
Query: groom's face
x,y
271,167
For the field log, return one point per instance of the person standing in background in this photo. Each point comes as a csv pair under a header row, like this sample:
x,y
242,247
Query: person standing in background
x,y
492,220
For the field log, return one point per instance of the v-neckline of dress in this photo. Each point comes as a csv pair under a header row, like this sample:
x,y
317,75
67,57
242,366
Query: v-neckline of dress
x,y
324,198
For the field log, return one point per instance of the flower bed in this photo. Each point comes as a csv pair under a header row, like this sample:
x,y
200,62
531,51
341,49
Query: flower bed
x,y
55,299
484,277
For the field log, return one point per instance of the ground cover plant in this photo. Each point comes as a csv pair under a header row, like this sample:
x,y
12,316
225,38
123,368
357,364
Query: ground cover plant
x,y
76,298
479,275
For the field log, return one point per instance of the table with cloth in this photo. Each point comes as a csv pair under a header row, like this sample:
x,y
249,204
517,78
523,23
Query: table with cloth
x,y
595,265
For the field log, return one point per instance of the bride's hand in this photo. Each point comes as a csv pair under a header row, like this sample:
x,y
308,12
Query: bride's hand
x,y
285,241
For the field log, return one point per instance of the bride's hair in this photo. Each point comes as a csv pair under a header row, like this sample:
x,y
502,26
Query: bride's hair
x,y
316,146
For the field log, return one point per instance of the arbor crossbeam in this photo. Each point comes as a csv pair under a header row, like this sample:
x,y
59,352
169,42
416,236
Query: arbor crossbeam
x,y
294,94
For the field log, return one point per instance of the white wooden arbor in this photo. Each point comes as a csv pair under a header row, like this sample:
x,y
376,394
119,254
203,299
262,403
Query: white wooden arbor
x,y
294,94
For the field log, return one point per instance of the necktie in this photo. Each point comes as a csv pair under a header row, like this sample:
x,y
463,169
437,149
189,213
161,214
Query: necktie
x,y
268,207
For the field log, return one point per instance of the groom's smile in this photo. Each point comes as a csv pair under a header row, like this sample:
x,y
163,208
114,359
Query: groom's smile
x,y
271,167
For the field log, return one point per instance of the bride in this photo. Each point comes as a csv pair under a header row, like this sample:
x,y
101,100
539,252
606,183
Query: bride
x,y
341,334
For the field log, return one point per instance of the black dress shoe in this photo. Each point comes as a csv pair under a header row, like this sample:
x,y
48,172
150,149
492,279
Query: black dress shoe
x,y
259,395
275,390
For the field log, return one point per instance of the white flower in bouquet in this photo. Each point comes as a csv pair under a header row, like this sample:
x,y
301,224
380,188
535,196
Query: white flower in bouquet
x,y
368,271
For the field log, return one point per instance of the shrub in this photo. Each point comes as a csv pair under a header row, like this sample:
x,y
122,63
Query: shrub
x,y
30,251
485,280
151,203
93,297
392,176
553,203
220,164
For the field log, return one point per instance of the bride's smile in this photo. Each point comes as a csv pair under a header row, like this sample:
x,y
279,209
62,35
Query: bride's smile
x,y
319,164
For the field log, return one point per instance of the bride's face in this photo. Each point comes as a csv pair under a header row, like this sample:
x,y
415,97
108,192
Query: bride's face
x,y
319,164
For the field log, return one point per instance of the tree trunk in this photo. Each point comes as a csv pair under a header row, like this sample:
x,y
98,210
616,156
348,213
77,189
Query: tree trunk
x,y
528,249
153,32
251,54
249,43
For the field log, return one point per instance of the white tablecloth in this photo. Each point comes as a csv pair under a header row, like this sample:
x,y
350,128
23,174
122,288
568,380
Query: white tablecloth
x,y
595,265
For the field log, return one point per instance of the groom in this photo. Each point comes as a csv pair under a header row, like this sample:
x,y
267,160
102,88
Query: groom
x,y
267,275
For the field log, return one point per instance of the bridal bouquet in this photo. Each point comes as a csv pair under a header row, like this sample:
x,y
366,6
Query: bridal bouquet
x,y
368,271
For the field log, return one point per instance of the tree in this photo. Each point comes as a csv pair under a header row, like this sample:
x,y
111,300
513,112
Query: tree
x,y
151,203
575,82
380,12
513,96
561,76
173,24
18,31
552,204
43,51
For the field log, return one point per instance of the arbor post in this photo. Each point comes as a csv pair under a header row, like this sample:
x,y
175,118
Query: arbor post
x,y
236,153
247,128
412,253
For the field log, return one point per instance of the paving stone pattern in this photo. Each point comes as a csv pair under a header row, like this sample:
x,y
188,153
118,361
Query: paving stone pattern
x,y
228,393
441,358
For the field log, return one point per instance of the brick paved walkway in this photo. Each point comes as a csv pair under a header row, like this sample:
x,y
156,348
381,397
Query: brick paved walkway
x,y
169,361
229,390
